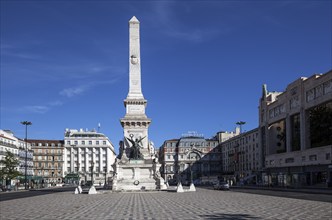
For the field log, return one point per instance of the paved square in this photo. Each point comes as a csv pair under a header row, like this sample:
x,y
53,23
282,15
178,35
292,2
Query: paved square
x,y
203,204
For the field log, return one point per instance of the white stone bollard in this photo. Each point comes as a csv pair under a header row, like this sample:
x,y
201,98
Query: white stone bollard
x,y
179,188
92,190
192,188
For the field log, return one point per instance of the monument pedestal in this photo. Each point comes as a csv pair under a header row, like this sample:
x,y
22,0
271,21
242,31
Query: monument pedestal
x,y
137,175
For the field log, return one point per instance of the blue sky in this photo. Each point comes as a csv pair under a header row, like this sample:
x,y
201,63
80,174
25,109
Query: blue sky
x,y
64,64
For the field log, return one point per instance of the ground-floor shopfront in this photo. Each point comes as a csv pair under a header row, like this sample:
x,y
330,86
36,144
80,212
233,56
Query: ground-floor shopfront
x,y
319,175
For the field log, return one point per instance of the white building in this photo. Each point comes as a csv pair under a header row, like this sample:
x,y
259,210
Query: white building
x,y
27,155
85,151
8,142
296,132
225,135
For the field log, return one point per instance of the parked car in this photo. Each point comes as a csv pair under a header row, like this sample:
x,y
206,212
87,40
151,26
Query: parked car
x,y
197,182
66,184
172,182
221,186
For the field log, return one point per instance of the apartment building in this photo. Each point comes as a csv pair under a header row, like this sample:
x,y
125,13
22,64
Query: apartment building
x,y
22,151
296,132
88,156
48,162
242,158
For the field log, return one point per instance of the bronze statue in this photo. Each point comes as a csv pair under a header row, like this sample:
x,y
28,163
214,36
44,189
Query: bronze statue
x,y
121,150
135,148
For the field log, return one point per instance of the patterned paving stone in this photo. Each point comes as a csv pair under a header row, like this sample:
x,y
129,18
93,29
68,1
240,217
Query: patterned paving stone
x,y
203,204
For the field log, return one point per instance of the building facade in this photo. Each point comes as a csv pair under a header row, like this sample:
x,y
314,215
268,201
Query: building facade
x,y
88,156
25,156
47,162
242,158
192,157
225,135
296,132
7,143
21,150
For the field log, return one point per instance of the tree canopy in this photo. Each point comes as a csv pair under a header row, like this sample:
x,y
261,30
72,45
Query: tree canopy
x,y
10,163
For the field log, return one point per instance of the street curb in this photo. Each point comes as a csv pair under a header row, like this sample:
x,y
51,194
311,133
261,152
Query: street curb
x,y
302,190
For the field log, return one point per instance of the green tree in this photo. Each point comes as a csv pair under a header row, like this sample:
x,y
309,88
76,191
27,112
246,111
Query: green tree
x,y
8,171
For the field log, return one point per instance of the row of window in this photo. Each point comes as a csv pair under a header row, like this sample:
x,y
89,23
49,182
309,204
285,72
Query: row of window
x,y
232,164
303,159
319,91
59,151
5,140
83,160
189,144
240,143
48,165
183,167
47,144
86,156
82,169
46,173
4,149
243,167
71,143
246,148
49,158
88,151
23,154
194,156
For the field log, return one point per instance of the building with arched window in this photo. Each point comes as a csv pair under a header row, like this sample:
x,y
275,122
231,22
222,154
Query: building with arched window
x,y
190,157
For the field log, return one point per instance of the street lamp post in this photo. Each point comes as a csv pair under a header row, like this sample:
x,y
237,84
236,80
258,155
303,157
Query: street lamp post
x,y
92,164
26,123
240,123
105,169
72,163
78,173
191,173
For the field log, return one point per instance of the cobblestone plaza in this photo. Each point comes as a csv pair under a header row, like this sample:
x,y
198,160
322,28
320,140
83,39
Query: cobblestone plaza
x,y
203,204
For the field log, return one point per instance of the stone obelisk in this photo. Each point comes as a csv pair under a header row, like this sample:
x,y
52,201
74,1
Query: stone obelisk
x,y
136,170
135,123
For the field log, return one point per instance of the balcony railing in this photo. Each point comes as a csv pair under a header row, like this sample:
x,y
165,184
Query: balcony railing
x,y
7,144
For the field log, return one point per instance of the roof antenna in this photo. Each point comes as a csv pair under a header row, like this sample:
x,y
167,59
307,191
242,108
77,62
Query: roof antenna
x,y
98,127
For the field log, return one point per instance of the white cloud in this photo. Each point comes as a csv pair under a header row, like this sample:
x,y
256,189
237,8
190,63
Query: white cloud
x,y
173,26
70,92
195,35
40,109
74,91
19,52
55,103
36,109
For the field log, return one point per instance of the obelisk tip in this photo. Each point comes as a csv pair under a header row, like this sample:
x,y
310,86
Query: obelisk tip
x,y
134,20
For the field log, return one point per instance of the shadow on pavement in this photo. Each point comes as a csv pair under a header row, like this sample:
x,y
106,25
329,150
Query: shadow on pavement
x,y
228,216
4,196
